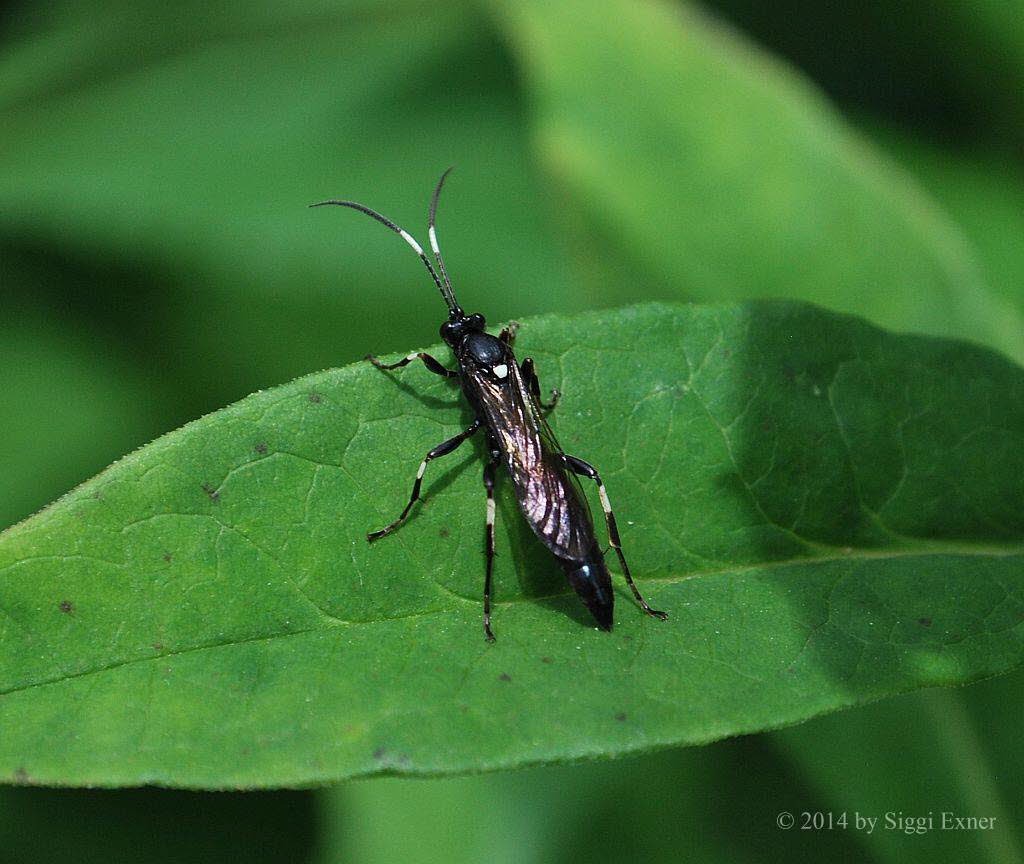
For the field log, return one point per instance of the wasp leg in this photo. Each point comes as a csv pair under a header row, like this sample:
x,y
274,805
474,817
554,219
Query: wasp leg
x,y
489,486
428,361
442,449
508,334
529,372
578,466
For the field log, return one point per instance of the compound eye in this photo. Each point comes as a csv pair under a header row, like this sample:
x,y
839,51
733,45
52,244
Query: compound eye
x,y
449,329
476,321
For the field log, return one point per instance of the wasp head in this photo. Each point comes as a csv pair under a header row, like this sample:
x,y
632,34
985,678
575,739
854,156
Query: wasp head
x,y
457,328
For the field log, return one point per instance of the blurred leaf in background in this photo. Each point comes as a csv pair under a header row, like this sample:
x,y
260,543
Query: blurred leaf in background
x,y
156,262
906,756
156,826
718,173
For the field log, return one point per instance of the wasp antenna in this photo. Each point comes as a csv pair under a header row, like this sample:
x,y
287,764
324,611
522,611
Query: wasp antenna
x,y
432,232
407,237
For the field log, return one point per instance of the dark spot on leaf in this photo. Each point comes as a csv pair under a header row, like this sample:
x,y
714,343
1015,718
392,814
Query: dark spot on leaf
x,y
96,496
925,622
66,607
209,490
621,717
315,398
158,646
21,775
727,353
504,676
545,660
380,753
167,557
404,759
444,532
260,448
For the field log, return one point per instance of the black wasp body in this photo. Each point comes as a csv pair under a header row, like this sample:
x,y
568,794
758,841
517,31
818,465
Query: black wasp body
x,y
505,398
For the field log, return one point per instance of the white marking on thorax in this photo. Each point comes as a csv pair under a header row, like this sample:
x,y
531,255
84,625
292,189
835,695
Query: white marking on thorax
x,y
501,370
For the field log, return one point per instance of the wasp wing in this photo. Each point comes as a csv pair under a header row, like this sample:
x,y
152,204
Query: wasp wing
x,y
549,496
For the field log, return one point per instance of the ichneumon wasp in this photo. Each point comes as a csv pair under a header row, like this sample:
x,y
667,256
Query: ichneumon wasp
x,y
507,408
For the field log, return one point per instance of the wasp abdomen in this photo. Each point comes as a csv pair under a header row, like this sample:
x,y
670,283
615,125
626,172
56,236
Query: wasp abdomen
x,y
593,584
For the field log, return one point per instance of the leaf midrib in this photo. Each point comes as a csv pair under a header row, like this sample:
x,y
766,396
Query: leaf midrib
x,y
989,551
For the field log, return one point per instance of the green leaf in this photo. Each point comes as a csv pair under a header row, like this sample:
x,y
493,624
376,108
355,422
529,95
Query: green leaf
x,y
635,809
714,171
982,190
930,752
56,377
179,152
954,68
829,513
144,826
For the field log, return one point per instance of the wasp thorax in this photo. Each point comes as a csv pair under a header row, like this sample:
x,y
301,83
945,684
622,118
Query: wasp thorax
x,y
486,350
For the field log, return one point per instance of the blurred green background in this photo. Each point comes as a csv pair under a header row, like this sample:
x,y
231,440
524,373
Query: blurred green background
x,y
157,262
